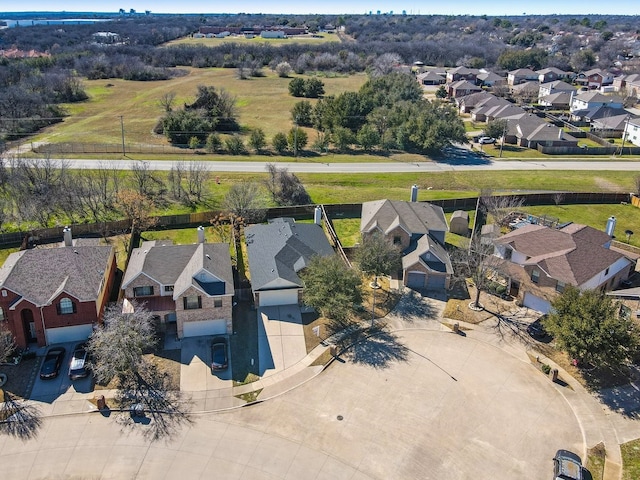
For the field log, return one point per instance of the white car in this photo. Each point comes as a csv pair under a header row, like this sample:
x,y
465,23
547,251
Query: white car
x,y
486,140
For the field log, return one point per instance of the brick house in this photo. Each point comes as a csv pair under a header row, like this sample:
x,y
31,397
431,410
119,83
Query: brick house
x,y
190,286
541,261
56,295
418,229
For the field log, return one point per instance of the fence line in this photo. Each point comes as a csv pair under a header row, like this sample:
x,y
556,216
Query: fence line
x,y
299,212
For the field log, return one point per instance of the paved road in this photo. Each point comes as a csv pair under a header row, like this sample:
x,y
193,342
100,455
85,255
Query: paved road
x,y
467,164
456,408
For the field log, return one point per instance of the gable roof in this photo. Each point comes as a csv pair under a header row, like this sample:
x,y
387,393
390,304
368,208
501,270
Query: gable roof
x,y
414,217
41,274
555,70
592,97
429,253
280,249
557,98
573,254
179,265
430,75
559,85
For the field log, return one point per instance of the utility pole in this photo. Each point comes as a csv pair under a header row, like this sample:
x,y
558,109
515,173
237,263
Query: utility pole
x,y
624,134
124,152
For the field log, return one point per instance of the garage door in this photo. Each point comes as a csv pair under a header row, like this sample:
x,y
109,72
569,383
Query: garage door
x,y
76,333
436,282
416,280
536,303
279,297
204,327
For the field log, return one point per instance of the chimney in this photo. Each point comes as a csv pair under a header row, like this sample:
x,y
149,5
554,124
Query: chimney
x,y
414,193
317,215
200,234
559,134
66,235
611,226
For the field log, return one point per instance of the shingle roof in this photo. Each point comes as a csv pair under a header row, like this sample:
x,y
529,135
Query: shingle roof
x,y
179,265
281,248
573,254
559,85
39,275
413,217
430,253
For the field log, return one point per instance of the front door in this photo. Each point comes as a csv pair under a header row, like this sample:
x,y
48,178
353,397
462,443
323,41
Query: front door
x,y
29,325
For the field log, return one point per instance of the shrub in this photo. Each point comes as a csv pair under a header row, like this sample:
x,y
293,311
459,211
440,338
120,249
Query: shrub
x,y
546,369
235,145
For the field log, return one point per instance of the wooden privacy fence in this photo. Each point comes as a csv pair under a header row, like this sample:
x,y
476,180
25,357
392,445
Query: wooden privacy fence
x,y
299,212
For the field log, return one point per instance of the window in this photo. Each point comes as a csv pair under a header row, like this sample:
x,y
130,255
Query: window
x,y
143,291
66,307
606,272
2,319
560,286
535,276
193,302
507,253
168,288
217,302
397,240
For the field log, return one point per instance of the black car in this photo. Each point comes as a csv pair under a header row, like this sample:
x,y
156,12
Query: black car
x,y
537,330
78,366
52,363
219,359
567,466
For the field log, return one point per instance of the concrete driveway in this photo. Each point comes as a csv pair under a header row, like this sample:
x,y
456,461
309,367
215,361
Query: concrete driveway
x,y
195,366
280,338
456,408
51,389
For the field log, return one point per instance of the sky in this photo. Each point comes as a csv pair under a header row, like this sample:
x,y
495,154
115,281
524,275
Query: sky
x,y
439,7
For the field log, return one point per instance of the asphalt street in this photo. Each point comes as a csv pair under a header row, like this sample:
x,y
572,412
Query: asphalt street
x,y
453,165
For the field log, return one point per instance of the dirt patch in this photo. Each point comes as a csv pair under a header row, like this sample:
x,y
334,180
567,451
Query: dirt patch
x,y
457,307
166,361
607,185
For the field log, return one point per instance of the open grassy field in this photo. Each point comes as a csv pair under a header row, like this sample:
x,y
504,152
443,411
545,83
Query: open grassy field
x,y
242,40
262,102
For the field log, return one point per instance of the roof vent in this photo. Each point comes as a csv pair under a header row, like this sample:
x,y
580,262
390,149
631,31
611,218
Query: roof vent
x,y
208,256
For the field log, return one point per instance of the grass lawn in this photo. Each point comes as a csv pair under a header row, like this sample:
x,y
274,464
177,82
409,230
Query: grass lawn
x,y
595,461
348,230
631,460
242,40
627,217
262,102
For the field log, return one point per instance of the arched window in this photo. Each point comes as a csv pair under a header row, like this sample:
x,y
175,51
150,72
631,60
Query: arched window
x,y
66,306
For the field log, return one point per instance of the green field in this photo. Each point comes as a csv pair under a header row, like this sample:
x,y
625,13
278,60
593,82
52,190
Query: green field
x,y
242,40
262,102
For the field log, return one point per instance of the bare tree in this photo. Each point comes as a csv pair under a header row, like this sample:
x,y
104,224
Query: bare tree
x,y
176,175
477,262
246,200
7,343
143,178
378,256
137,208
166,101
285,187
558,198
19,418
385,64
198,174
499,206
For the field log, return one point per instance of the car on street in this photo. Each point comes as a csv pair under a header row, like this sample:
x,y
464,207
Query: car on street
x,y
219,357
486,140
537,331
567,466
52,362
78,365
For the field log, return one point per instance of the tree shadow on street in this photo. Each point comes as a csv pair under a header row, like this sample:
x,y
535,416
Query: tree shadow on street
x,y
19,418
374,346
160,409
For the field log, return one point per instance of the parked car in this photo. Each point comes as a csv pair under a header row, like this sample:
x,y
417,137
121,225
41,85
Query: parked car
x,y
536,329
567,466
78,366
52,362
219,358
486,140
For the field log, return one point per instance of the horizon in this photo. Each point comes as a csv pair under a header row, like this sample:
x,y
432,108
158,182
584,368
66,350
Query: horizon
x,y
358,7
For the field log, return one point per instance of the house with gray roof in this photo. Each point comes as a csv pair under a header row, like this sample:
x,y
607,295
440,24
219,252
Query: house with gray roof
x,y
56,295
554,87
541,261
521,75
189,286
418,229
557,100
430,78
461,88
277,252
589,100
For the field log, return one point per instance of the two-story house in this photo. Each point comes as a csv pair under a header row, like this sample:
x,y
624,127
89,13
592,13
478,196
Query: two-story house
x,y
541,261
588,100
595,78
461,73
189,285
418,229
56,295
521,75
550,74
555,86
